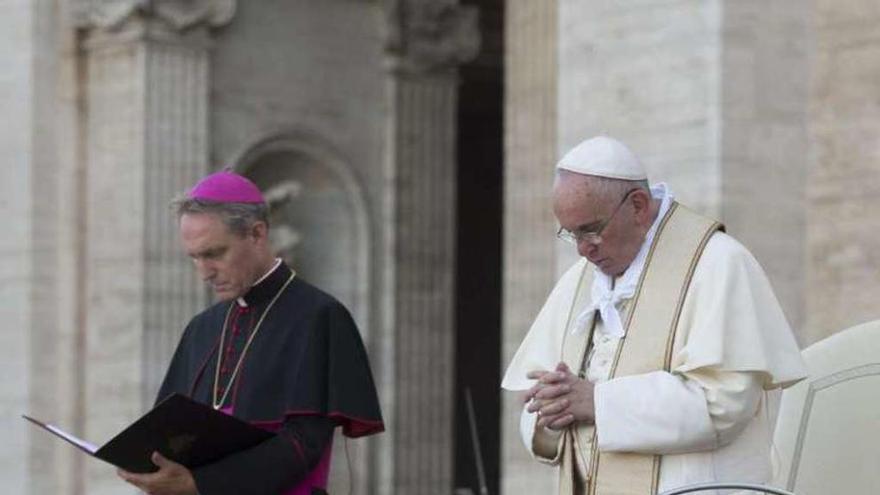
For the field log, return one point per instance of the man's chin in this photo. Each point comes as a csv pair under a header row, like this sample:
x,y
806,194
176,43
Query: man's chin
x,y
225,295
611,271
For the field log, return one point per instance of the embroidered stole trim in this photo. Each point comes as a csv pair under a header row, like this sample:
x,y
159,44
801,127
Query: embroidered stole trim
x,y
647,346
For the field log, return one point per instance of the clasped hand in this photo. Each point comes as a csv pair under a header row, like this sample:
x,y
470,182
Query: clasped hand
x,y
171,478
560,398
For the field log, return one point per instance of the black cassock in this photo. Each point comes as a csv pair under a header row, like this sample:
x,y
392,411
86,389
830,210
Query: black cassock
x,y
306,372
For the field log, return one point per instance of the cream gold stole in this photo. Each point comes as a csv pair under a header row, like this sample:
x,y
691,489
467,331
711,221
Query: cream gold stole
x,y
647,346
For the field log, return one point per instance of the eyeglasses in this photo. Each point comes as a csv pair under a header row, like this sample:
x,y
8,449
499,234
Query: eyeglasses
x,y
593,235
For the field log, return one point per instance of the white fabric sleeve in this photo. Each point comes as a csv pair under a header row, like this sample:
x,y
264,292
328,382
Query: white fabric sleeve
x,y
664,413
732,397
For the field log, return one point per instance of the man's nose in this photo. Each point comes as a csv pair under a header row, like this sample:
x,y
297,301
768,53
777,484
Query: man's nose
x,y
205,270
586,248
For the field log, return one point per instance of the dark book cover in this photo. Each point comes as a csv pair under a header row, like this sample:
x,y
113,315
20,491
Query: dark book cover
x,y
185,431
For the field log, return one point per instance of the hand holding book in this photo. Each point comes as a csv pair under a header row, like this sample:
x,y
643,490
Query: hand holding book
x,y
171,478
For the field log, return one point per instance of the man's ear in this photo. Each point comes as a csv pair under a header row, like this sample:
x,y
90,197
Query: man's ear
x,y
642,202
260,232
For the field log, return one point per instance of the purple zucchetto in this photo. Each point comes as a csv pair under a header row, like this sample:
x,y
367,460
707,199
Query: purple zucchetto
x,y
226,187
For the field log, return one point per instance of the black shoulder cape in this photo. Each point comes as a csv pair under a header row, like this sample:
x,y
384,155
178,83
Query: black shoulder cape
x,y
307,359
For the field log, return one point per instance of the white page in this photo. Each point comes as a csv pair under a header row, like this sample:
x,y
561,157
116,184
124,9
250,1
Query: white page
x,y
88,447
82,444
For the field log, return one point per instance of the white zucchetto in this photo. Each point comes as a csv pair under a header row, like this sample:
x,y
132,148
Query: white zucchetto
x,y
603,156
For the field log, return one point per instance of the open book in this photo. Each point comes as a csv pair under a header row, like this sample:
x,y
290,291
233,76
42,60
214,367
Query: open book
x,y
185,431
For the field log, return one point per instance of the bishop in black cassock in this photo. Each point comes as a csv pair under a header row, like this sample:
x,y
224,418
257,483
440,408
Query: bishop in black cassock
x,y
275,351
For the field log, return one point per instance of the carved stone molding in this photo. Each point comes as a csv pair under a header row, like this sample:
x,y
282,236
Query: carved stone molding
x,y
431,36
175,15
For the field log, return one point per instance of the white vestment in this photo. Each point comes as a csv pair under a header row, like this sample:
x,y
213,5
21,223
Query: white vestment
x,y
708,416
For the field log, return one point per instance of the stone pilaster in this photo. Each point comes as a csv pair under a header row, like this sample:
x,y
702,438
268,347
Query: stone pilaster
x,y
146,141
427,41
843,245
529,257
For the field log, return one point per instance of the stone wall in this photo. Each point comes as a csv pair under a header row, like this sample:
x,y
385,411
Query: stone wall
x,y
309,67
647,73
766,55
843,230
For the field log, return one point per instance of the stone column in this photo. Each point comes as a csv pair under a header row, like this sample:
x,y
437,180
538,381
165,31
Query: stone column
x,y
529,256
843,244
427,41
146,141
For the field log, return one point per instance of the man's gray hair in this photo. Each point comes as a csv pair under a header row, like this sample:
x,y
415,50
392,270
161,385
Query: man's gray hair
x,y
238,217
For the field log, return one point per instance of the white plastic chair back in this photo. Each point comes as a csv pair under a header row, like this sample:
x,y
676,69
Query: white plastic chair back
x,y
703,487
828,431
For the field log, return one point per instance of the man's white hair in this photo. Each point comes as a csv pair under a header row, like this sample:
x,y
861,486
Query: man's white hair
x,y
605,188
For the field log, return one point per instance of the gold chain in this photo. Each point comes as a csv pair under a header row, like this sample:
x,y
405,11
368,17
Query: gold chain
x,y
247,345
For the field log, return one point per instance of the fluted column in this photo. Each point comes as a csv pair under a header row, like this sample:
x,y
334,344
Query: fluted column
x,y
146,141
529,258
427,41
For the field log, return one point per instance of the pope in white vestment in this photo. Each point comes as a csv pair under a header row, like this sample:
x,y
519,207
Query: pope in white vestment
x,y
707,415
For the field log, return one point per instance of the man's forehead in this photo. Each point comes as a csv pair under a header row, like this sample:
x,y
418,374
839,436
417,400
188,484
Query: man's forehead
x,y
583,194
205,244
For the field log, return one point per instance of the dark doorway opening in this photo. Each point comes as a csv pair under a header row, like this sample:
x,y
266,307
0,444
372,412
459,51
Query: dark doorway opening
x,y
479,250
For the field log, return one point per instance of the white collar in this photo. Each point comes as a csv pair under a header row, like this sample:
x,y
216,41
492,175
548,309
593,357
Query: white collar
x,y
240,300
